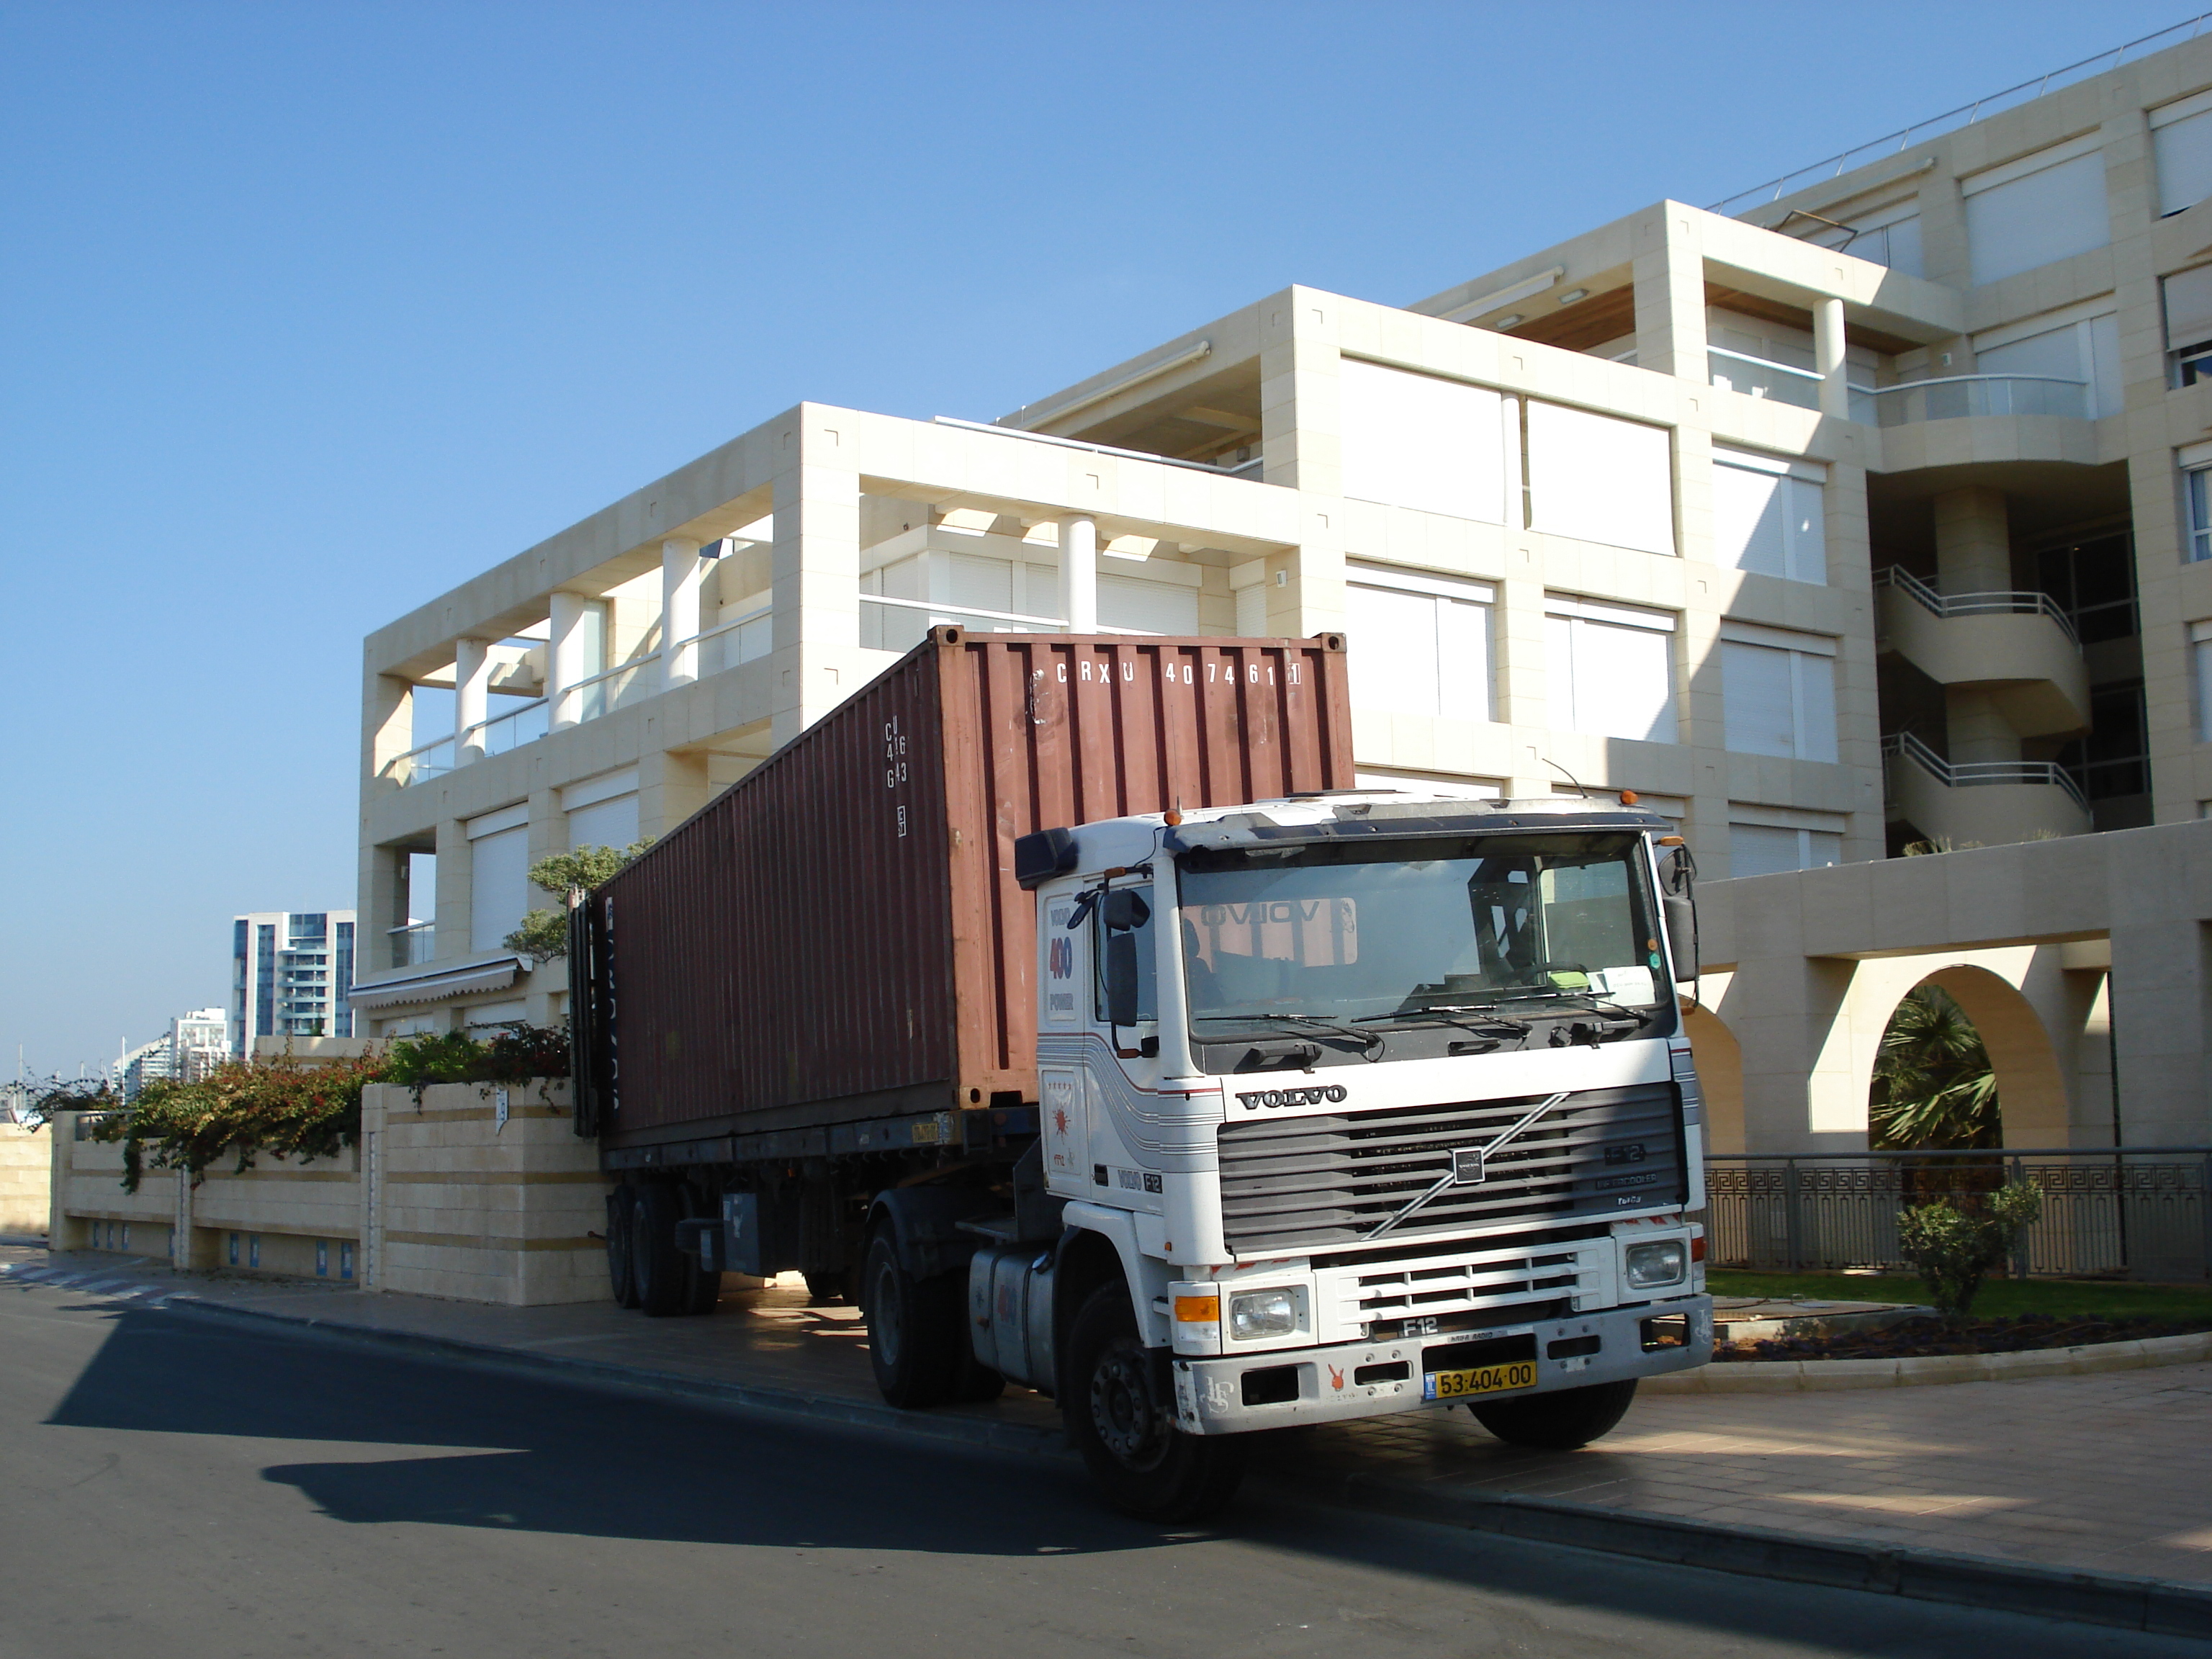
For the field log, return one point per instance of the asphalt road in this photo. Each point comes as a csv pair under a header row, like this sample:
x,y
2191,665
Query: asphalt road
x,y
172,1485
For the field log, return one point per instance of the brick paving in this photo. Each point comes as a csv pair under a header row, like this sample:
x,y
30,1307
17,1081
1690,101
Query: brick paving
x,y
2108,1472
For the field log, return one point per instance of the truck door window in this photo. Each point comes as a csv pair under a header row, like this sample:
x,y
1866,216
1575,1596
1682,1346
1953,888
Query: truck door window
x,y
1148,1006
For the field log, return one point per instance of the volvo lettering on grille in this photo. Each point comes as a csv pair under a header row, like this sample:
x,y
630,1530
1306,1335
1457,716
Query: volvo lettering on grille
x,y
1272,1098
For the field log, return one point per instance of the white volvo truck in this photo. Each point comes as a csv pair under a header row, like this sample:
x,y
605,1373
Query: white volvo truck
x,y
1349,1104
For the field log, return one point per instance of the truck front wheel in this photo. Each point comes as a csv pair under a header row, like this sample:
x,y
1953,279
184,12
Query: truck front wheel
x,y
915,1327
622,1279
1560,1420
1119,1406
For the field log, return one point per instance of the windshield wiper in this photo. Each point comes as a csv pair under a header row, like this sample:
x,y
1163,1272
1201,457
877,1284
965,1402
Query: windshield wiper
x,y
1448,1013
1370,1043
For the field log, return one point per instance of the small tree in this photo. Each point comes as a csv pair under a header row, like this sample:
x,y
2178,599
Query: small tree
x,y
543,935
1933,1083
1953,1245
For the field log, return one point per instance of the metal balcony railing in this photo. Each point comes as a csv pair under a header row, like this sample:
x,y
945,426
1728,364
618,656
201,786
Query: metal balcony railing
x,y
1968,775
1975,604
1955,397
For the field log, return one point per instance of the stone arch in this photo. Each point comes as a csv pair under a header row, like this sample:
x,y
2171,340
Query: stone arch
x,y
2031,1087
1719,1060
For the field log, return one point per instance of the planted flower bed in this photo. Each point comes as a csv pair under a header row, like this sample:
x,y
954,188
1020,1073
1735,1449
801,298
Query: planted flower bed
x,y
1913,1339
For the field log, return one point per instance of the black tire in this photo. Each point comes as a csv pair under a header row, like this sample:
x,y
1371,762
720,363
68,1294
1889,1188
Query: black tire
x,y
1119,1406
702,1288
916,1328
1560,1420
622,1279
658,1264
824,1288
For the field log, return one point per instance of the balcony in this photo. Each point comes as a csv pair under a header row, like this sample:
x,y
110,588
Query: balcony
x,y
1762,377
1978,803
1961,397
414,944
2021,647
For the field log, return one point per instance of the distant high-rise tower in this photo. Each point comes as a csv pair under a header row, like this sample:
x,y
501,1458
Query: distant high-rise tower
x,y
289,974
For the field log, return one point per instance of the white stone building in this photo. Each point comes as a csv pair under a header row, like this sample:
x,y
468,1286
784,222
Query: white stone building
x,y
1870,512
290,974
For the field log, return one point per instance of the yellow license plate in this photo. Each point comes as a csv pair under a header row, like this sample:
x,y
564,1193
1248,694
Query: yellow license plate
x,y
1484,1379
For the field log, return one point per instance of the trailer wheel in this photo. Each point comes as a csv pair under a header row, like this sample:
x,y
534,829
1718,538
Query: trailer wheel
x,y
622,1279
824,1288
702,1288
914,1325
1560,1420
655,1259
1119,1406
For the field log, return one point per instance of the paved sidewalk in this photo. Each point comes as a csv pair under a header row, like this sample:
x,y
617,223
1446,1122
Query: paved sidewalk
x,y
2107,1473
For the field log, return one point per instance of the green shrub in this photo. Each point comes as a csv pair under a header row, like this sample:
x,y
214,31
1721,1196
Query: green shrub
x,y
513,1054
244,1106
1954,1244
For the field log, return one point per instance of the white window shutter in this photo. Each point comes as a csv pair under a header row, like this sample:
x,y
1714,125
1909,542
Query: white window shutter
x,y
1748,511
2037,218
1421,441
1816,706
499,886
604,824
1600,479
1166,607
2184,153
1755,849
1806,524
1757,702
1560,673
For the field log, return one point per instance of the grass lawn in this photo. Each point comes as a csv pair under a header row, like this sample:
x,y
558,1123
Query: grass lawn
x,y
2000,1298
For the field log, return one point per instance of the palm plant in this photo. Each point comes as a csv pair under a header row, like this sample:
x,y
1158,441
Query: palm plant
x,y
1933,1085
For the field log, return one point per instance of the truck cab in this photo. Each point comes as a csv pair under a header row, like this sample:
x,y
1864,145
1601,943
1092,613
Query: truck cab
x,y
1350,1104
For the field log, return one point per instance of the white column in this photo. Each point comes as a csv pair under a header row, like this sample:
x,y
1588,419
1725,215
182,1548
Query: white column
x,y
1079,573
1828,358
681,575
471,698
564,657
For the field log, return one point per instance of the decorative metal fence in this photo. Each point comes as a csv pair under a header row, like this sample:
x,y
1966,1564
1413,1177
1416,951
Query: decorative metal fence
x,y
2142,1212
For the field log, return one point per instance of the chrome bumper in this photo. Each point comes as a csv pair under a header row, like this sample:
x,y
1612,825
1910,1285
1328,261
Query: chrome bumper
x,y
1210,1394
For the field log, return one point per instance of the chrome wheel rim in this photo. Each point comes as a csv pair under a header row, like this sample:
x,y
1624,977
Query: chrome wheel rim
x,y
1128,1420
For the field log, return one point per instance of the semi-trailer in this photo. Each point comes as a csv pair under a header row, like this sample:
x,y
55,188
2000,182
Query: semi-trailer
x,y
1066,1002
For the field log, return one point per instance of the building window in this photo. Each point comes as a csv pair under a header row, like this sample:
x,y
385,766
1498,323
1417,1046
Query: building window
x,y
1423,441
322,1258
1887,236
1778,692
2040,208
1610,669
499,878
1767,517
1600,479
1420,644
234,1249
2200,512
2094,582
2181,145
345,1259
1758,849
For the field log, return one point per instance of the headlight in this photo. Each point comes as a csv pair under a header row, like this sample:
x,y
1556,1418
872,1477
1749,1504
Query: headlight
x,y
1263,1313
1650,1265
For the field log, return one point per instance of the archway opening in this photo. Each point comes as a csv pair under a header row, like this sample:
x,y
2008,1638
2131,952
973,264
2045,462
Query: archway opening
x,y
1933,1087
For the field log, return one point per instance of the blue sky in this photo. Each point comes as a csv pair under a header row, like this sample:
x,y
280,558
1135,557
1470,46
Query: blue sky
x,y
312,310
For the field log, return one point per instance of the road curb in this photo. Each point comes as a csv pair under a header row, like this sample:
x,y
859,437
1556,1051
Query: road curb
x,y
1816,1376
2156,1606
782,1402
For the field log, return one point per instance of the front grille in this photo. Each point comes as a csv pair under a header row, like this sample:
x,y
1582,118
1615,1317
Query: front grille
x,y
1292,1185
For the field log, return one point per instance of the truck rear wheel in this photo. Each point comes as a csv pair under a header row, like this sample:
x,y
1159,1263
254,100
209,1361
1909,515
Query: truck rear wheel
x,y
915,1327
657,1263
622,1203
1560,1420
822,1288
1119,1406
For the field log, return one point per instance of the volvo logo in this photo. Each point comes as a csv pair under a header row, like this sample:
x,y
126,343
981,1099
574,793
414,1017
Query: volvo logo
x,y
1272,1098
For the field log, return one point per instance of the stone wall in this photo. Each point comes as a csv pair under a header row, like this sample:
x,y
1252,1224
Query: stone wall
x,y
26,1179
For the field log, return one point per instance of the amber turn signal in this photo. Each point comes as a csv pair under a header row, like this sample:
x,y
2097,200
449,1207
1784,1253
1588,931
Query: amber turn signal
x,y
1198,1310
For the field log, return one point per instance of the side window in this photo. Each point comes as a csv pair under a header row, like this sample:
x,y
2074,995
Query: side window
x,y
1104,936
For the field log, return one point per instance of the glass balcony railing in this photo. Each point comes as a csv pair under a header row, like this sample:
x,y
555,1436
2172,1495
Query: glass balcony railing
x,y
1957,396
1761,377
414,944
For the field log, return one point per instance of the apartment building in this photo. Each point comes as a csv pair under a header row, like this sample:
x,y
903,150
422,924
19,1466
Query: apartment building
x,y
291,974
1866,515
194,1045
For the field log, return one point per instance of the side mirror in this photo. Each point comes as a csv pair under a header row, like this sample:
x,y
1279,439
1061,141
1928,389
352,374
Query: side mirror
x,y
1121,974
1682,936
1123,909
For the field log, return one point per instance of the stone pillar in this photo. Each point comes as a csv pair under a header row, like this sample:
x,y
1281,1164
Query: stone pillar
x,y
816,563
471,698
1828,358
564,657
671,787
456,872
1669,274
1973,554
1301,421
682,574
1079,573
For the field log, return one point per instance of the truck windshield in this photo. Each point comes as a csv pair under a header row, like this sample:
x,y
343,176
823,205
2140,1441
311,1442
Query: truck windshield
x,y
1377,929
